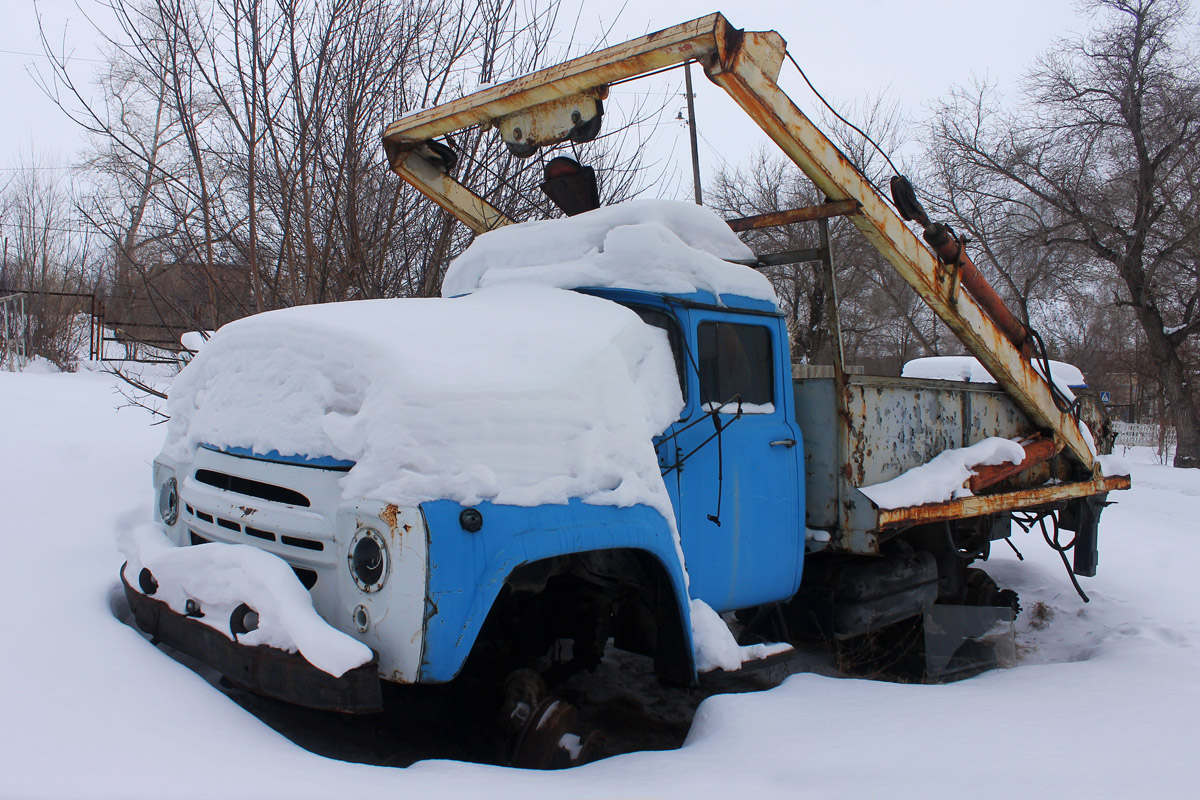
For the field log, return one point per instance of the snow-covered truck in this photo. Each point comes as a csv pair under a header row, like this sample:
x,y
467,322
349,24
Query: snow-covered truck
x,y
596,437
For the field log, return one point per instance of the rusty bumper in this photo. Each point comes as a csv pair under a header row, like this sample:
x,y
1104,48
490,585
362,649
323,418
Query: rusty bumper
x,y
1021,499
260,669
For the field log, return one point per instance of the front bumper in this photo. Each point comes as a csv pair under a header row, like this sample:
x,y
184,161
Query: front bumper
x,y
315,540
263,670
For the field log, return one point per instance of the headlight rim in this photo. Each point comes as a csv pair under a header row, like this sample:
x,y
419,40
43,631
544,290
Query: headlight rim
x,y
363,534
168,511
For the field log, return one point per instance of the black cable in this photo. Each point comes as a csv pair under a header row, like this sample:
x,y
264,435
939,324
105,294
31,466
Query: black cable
x,y
1062,549
1027,519
716,518
649,75
1061,402
843,119
710,415
1008,541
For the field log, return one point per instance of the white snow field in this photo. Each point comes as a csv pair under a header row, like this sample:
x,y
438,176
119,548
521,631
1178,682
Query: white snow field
x,y
1103,703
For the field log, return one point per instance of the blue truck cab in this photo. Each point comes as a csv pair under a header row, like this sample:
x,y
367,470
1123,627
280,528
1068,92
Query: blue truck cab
x,y
445,588
732,465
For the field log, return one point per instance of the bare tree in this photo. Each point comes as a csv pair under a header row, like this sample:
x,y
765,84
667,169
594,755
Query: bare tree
x,y
883,321
46,254
767,184
996,217
1101,168
239,140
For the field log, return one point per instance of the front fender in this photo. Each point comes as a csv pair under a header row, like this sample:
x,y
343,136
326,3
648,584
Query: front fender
x,y
467,570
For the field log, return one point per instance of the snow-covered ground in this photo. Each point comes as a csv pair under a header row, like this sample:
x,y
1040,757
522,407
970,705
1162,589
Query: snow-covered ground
x,y
1104,701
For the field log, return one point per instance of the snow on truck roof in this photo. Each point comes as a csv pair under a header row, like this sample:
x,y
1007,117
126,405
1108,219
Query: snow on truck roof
x,y
663,246
519,392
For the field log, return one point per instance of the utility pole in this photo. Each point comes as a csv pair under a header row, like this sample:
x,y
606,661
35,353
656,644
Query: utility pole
x,y
691,108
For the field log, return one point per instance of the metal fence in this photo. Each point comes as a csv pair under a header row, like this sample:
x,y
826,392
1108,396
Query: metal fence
x,y
14,332
1136,434
107,340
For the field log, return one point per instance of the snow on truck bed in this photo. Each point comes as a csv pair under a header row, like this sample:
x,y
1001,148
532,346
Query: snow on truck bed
x,y
944,477
968,368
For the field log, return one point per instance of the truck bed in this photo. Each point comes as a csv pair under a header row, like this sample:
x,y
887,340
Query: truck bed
x,y
886,426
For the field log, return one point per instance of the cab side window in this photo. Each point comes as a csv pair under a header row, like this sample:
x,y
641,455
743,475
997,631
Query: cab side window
x,y
735,364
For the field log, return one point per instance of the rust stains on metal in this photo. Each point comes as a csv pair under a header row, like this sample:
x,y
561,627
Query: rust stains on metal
x,y
247,511
805,214
951,251
691,40
472,210
997,503
389,515
774,112
1038,450
552,122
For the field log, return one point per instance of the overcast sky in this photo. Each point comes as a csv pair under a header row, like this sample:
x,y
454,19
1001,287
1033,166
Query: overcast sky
x,y
914,50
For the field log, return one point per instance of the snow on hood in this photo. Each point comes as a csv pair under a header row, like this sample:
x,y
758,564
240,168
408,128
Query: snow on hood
x,y
653,245
522,395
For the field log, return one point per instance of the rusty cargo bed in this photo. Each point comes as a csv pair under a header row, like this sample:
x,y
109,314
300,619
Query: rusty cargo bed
x,y
886,426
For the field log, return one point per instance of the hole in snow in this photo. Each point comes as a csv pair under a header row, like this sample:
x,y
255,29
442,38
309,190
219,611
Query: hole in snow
x,y
118,605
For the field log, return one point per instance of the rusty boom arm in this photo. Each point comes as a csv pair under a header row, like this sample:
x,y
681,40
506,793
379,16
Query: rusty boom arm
x,y
746,65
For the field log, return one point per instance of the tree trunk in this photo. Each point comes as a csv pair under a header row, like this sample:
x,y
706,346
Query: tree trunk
x,y
1173,376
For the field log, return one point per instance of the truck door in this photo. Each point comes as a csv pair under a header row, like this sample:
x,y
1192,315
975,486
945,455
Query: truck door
x,y
740,499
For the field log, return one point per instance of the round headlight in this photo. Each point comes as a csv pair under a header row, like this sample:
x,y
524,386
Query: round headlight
x,y
168,501
368,559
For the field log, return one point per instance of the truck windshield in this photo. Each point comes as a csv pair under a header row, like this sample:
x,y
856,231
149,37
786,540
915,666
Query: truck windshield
x,y
664,321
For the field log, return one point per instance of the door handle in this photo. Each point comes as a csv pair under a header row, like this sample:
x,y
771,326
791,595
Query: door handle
x,y
783,443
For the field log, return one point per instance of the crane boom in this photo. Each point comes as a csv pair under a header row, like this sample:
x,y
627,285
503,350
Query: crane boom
x,y
746,65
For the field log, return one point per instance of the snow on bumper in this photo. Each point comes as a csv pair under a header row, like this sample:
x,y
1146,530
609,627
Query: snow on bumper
x,y
265,670
317,535
211,582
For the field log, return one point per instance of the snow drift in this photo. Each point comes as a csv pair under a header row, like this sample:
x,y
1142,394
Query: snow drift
x,y
714,645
